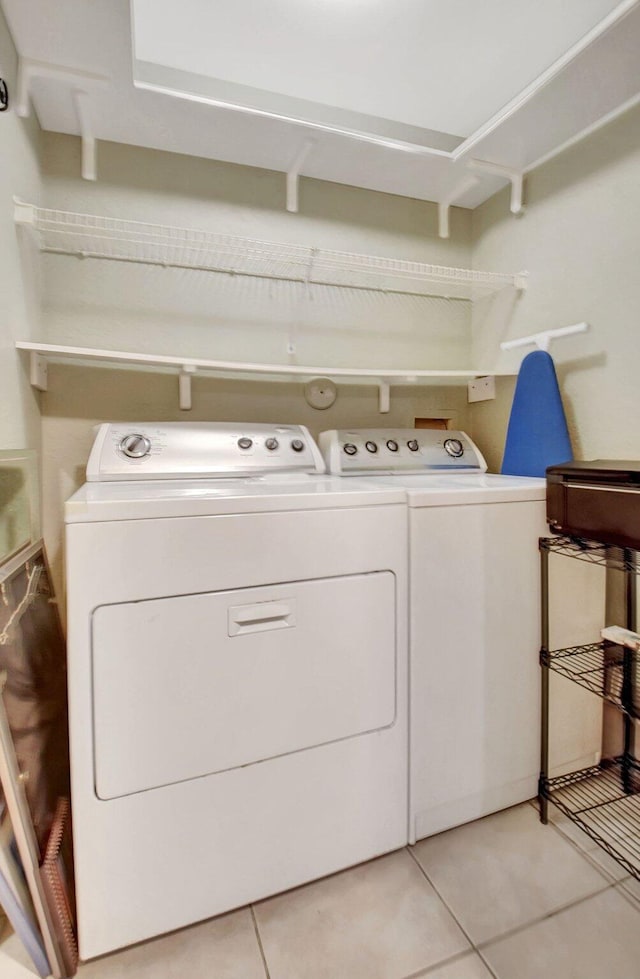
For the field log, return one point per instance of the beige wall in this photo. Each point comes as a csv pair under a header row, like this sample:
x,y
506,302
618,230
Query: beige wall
x,y
19,304
173,311
580,240
136,307
19,316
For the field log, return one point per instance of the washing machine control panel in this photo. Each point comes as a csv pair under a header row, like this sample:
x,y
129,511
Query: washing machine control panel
x,y
177,450
366,451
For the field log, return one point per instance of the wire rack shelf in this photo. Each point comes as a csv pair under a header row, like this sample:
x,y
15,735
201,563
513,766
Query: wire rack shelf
x,y
94,236
607,555
605,802
600,668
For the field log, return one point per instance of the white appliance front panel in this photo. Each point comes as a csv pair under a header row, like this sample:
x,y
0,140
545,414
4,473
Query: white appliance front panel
x,y
154,861
193,685
475,677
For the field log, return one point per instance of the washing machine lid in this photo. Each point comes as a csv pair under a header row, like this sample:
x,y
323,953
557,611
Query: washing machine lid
x,y
458,489
142,500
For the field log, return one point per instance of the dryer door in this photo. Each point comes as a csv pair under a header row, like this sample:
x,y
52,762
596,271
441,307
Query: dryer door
x,y
193,685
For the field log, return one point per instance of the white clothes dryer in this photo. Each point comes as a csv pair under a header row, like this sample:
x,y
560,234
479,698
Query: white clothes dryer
x,y
237,673
474,624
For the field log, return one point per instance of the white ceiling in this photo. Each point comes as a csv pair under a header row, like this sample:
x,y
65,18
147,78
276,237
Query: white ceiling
x,y
446,65
474,56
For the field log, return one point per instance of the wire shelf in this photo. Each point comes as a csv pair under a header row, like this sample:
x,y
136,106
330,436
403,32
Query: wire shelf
x,y
599,668
595,799
92,236
607,555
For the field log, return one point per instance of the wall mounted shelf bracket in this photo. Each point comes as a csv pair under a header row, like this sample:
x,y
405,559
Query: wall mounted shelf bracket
x,y
38,371
89,145
78,83
293,175
444,205
515,177
184,386
384,399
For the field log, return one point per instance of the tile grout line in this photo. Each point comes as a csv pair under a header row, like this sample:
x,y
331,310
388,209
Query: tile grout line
x,y
586,854
259,940
442,964
544,917
479,948
474,947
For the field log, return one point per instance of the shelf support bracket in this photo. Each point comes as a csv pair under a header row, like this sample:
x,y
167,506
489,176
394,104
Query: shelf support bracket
x,y
293,175
384,398
184,386
28,69
89,154
38,371
451,198
515,177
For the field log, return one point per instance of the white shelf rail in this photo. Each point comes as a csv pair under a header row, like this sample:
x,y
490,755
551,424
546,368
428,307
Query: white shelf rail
x,y
186,367
543,339
92,236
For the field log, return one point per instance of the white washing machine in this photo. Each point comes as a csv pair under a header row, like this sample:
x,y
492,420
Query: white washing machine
x,y
237,673
474,625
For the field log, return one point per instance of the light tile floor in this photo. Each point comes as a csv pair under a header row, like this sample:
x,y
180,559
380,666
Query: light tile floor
x,y
503,897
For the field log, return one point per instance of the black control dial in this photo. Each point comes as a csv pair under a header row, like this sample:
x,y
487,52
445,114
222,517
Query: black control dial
x,y
297,445
413,445
454,447
350,449
371,446
271,444
392,445
245,442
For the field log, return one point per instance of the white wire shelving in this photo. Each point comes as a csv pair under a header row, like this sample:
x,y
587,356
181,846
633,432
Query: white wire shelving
x,y
93,236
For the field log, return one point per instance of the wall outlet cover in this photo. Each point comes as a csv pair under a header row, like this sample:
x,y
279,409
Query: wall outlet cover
x,y
481,389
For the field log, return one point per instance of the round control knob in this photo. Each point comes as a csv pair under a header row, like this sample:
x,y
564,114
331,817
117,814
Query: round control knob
x,y
350,449
245,442
413,445
392,445
271,444
371,446
297,445
454,447
135,446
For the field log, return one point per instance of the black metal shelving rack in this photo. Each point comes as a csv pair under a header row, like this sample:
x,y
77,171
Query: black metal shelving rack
x,y
603,800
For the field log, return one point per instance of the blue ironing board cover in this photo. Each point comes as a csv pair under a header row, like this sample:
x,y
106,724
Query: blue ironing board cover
x,y
537,436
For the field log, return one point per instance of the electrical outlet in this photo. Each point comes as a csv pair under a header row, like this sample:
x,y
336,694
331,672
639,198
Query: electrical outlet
x,y
481,389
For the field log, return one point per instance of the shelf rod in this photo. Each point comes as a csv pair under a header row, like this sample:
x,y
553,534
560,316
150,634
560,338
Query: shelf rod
x,y
543,339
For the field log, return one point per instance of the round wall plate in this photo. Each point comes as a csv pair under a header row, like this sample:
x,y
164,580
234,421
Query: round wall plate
x,y
320,393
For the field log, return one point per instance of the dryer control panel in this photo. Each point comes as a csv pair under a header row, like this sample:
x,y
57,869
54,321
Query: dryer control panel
x,y
196,450
399,450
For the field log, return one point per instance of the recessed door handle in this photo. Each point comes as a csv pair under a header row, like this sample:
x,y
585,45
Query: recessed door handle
x,y
261,616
